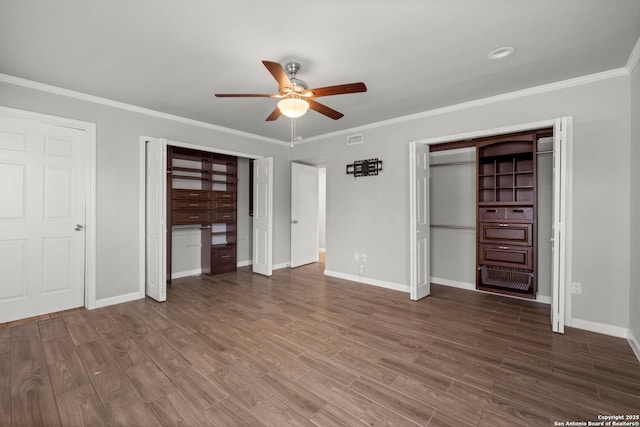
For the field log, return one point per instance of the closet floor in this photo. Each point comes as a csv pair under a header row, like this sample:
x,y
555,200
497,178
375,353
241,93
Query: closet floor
x,y
301,348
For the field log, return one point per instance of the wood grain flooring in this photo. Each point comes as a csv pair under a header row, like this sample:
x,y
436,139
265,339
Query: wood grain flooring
x,y
300,348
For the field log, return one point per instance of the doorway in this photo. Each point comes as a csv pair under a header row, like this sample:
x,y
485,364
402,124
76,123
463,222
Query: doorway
x,y
561,253
47,233
308,214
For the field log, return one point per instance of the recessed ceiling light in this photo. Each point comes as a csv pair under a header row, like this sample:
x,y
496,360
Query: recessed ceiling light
x,y
501,52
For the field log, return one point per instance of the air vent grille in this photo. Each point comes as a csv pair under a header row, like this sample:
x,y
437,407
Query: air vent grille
x,y
355,139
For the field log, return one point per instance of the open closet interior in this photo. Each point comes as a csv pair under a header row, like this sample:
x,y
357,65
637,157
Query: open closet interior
x,y
491,211
202,197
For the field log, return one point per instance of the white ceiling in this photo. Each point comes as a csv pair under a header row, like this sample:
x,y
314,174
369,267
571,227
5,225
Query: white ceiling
x,y
413,55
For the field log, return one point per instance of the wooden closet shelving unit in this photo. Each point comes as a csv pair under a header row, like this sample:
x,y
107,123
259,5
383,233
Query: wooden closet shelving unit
x,y
202,192
507,214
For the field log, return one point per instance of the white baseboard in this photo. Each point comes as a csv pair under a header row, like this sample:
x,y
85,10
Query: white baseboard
x,y
634,343
180,274
453,283
601,328
104,302
543,299
244,263
281,265
368,281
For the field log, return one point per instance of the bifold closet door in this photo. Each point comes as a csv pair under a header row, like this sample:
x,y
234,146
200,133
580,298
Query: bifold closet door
x,y
156,219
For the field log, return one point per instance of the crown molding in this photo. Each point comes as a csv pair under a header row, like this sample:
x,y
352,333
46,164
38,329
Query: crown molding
x,y
18,81
536,90
632,62
564,84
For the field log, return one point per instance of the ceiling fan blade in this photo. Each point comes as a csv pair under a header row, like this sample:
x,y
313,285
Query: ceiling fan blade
x,y
243,95
278,73
338,89
323,109
275,114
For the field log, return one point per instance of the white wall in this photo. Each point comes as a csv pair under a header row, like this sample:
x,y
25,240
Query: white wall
x,y
370,214
634,298
118,206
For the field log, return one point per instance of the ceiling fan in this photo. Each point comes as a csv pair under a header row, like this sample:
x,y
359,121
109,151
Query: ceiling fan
x,y
294,96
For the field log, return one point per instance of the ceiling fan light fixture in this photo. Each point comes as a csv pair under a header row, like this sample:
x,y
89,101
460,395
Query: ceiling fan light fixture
x,y
293,107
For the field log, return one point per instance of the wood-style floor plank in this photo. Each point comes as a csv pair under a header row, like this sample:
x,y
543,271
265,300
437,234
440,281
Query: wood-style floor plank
x,y
299,348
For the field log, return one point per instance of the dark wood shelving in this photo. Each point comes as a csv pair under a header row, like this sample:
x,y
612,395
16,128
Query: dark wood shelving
x,y
506,220
212,206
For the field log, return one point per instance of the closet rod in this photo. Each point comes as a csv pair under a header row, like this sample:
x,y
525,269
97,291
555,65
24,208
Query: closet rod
x,y
453,227
466,162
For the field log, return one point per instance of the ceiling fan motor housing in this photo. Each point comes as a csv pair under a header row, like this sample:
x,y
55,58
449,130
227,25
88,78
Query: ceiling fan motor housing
x,y
298,85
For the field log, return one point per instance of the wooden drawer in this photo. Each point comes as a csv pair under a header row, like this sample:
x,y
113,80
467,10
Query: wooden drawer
x,y
505,212
491,213
190,217
519,213
508,233
224,204
506,256
191,205
223,216
224,195
190,194
224,255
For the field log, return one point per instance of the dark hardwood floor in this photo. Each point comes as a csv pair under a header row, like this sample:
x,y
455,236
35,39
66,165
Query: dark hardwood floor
x,y
304,349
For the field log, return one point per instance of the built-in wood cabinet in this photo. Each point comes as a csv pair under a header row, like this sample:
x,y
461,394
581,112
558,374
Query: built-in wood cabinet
x,y
202,193
506,216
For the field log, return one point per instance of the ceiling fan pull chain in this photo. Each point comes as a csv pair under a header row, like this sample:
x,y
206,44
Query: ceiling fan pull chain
x,y
293,130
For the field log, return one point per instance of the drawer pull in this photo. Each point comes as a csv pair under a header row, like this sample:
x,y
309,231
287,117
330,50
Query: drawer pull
x,y
194,217
519,210
193,204
503,225
225,256
504,247
193,194
491,210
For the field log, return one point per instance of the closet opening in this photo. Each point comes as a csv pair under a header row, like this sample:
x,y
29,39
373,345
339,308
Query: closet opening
x,y
197,213
489,212
490,203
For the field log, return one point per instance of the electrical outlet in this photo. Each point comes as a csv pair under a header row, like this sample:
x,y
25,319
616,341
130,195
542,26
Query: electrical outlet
x,y
576,288
356,256
364,257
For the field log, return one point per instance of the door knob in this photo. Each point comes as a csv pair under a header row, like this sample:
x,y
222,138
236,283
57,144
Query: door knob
x,y
79,227
294,221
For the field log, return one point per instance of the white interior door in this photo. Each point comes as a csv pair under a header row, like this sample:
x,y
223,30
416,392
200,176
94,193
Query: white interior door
x,y
305,197
263,216
155,220
42,217
419,256
559,246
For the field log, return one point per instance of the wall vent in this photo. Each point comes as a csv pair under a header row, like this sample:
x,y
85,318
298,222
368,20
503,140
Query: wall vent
x,y
355,139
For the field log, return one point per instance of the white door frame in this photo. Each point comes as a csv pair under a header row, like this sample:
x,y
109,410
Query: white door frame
x,y
564,288
90,189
